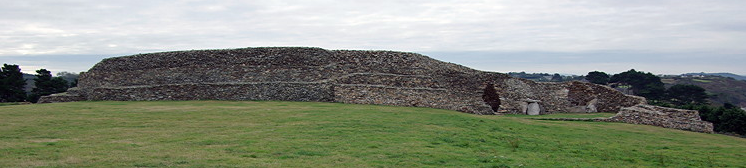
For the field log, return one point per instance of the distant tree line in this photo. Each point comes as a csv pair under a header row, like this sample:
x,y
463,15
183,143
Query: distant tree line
x,y
545,77
12,84
651,87
726,119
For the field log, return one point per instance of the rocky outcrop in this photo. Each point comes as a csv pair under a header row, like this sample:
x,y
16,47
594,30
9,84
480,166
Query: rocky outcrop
x,y
315,74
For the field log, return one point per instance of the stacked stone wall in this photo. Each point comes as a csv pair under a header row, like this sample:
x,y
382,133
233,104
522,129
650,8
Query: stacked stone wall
x,y
387,62
393,80
663,117
278,56
61,97
218,91
414,97
201,74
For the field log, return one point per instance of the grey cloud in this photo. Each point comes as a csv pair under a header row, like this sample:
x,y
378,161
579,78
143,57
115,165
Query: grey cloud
x,y
705,27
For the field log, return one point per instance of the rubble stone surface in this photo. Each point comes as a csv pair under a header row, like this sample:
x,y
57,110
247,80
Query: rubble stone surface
x,y
663,117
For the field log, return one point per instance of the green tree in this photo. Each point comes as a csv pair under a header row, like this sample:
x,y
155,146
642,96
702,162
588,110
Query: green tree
x,y
12,84
732,120
597,77
74,83
47,85
643,84
686,94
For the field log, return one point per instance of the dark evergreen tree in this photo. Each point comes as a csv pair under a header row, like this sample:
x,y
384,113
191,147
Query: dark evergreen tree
x,y
643,84
491,97
47,85
74,83
556,78
686,94
730,106
597,77
12,84
732,120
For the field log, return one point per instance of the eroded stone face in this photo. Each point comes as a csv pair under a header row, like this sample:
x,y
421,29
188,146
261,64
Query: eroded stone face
x,y
314,74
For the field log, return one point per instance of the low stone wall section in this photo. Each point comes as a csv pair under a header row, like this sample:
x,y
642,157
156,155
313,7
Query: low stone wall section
x,y
392,80
413,97
320,92
663,117
262,56
206,74
61,97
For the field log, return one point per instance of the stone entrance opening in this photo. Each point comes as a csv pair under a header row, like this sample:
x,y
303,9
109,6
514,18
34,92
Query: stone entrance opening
x,y
491,97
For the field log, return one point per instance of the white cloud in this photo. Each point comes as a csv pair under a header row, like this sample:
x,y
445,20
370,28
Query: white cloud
x,y
115,27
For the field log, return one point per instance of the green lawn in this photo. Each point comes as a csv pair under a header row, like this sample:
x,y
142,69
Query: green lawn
x,y
309,134
8,104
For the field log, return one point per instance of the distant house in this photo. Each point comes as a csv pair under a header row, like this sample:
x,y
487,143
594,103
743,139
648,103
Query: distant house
x,y
692,76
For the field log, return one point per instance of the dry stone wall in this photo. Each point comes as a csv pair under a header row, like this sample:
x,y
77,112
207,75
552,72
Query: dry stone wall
x,y
218,91
393,80
415,97
562,97
663,117
315,74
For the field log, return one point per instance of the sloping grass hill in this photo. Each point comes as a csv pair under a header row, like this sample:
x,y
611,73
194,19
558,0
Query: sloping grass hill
x,y
310,134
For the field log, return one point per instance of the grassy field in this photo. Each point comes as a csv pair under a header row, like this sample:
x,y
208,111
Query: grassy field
x,y
8,104
310,134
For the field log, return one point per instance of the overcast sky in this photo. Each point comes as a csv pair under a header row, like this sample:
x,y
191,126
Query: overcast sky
x,y
564,36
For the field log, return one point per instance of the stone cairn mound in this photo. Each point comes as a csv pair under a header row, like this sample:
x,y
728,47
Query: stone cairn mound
x,y
315,74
